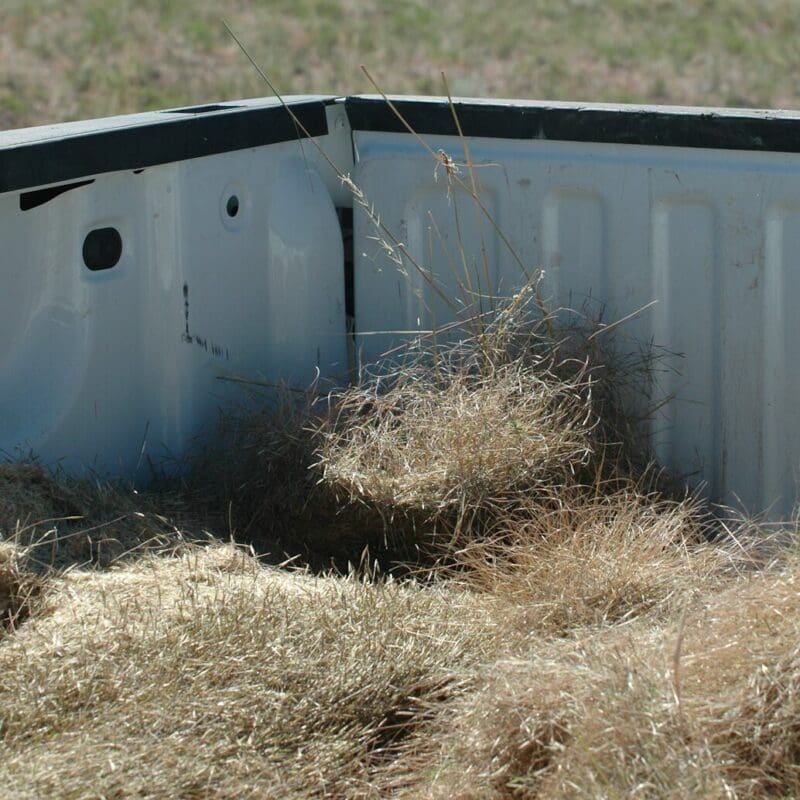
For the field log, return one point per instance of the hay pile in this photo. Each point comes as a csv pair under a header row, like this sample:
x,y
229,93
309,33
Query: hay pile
x,y
20,587
460,435
210,675
62,522
468,427
597,562
503,428
564,629
704,706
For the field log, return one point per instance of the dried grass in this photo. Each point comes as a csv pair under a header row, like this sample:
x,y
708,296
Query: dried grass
x,y
209,675
704,704
444,438
595,561
589,642
20,587
458,433
61,521
568,630
515,433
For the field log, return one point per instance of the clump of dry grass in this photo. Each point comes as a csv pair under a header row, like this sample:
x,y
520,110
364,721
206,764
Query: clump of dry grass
x,y
62,521
210,675
261,474
20,586
701,704
594,561
450,437
472,451
461,431
517,429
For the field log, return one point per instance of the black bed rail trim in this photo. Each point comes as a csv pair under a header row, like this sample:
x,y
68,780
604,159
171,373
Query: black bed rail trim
x,y
722,129
185,133
171,138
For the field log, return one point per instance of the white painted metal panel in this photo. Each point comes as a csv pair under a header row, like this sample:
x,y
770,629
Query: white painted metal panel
x,y
713,236
121,369
691,213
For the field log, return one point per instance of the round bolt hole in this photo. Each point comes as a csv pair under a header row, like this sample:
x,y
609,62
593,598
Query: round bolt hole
x,y
232,206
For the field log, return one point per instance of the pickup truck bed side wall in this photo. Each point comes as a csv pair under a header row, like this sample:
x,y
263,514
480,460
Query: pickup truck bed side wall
x,y
227,254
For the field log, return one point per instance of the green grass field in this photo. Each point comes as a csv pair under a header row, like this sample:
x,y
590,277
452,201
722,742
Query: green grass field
x,y
62,61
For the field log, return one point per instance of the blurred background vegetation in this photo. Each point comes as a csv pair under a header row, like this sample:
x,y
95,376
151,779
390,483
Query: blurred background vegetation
x,y
87,58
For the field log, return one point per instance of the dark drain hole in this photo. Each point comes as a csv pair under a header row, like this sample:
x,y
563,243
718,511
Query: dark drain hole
x,y
102,249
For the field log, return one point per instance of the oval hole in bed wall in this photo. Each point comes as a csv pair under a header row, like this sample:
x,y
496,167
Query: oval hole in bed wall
x,y
102,249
